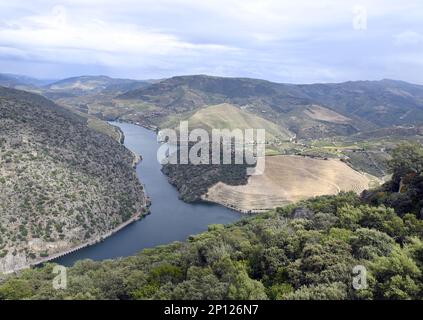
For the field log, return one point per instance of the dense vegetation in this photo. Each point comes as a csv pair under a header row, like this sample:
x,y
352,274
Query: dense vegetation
x,y
194,180
404,192
303,251
61,183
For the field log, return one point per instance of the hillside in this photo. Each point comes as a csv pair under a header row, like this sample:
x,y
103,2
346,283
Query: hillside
x,y
288,179
15,81
311,111
193,180
227,116
304,251
361,105
383,103
83,85
301,252
62,183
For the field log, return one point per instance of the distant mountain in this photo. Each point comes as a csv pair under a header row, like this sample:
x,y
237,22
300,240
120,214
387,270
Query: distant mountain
x,y
61,183
310,111
382,103
94,84
188,92
19,81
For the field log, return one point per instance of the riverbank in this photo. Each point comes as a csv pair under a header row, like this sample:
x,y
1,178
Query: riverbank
x,y
22,262
170,220
78,247
202,198
232,206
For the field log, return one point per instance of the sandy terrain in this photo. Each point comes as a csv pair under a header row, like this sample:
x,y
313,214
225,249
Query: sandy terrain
x,y
288,179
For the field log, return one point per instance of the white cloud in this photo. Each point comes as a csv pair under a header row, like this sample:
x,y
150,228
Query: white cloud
x,y
60,37
298,41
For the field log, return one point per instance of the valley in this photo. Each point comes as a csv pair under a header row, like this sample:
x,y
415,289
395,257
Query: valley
x,y
69,190
211,155
170,218
311,121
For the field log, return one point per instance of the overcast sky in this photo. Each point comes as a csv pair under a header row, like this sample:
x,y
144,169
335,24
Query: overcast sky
x,y
285,41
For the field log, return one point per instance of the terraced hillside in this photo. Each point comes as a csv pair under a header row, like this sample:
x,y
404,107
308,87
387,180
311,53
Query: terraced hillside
x,y
288,179
61,183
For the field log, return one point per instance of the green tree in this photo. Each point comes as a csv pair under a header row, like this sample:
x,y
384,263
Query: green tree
x,y
369,244
245,288
397,276
16,289
406,159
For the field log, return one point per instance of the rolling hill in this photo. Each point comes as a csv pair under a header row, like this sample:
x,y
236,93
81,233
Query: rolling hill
x,y
16,80
308,113
362,105
93,84
227,116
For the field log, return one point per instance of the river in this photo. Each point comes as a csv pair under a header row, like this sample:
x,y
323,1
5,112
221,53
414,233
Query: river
x,y
170,220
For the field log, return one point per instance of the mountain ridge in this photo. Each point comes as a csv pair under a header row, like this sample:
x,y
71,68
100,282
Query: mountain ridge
x,y
369,104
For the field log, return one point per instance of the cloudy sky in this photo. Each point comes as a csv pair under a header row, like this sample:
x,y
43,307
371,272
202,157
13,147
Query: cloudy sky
x,y
285,41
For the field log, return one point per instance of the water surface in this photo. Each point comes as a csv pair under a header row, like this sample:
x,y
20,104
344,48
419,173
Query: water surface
x,y
170,220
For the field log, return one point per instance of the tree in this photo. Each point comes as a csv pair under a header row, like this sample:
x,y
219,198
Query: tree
x,y
406,159
397,276
245,288
370,243
333,291
201,284
16,289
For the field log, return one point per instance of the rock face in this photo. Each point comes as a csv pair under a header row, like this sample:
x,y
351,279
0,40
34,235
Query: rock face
x,y
11,263
61,183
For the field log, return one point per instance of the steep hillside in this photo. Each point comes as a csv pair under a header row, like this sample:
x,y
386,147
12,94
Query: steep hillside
x,y
305,251
383,103
193,180
61,183
302,252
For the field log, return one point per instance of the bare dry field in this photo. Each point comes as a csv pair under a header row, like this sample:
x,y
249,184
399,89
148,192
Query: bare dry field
x,y
320,113
288,179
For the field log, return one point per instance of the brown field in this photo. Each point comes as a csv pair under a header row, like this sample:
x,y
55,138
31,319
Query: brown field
x,y
323,114
288,179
